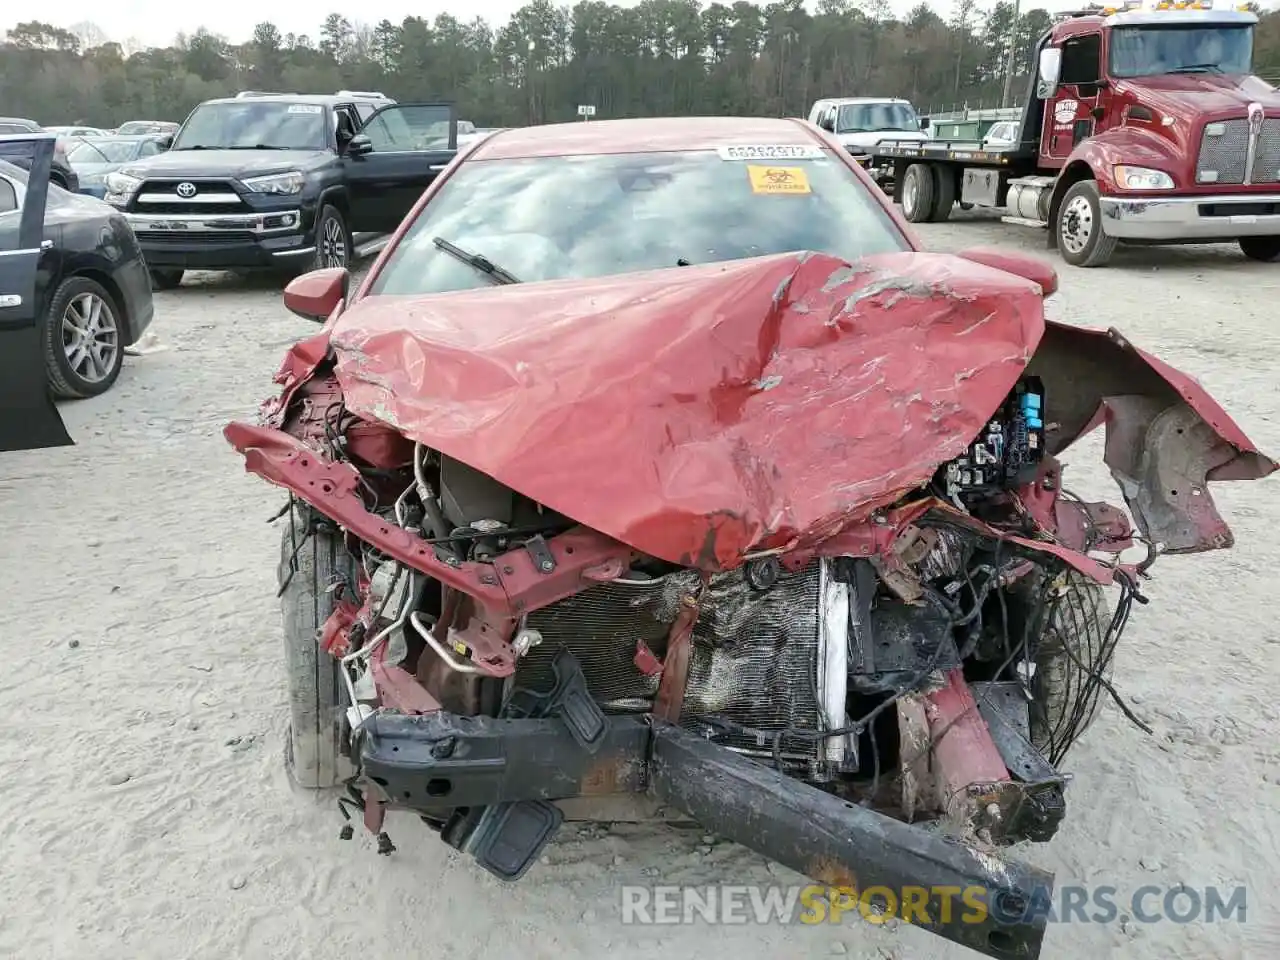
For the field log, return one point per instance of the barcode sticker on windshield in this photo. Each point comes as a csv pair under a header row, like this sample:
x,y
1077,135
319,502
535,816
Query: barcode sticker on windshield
x,y
305,108
778,179
772,151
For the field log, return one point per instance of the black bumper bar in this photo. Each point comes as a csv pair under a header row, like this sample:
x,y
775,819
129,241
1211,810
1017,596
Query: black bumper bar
x,y
479,776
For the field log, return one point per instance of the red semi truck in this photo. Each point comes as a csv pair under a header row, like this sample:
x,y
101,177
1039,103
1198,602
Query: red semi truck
x,y
1141,126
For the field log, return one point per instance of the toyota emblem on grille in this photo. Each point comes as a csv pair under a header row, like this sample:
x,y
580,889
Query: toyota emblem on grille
x,y
186,190
1255,118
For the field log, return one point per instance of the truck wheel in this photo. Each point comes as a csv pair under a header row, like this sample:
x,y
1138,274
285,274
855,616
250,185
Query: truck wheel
x,y
944,193
1266,249
917,193
313,754
333,240
166,279
1079,227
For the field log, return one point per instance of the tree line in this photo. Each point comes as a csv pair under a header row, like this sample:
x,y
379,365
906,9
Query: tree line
x,y
662,57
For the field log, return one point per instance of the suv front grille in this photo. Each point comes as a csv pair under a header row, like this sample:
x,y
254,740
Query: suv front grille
x,y
211,196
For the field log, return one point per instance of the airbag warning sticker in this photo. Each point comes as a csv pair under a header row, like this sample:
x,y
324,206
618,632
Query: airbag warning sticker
x,y
778,179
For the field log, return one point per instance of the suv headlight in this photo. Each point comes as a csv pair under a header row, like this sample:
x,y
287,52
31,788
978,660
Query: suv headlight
x,y
277,183
120,186
1143,178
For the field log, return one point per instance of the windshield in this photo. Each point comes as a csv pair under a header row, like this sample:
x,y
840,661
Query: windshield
x,y
872,117
1150,51
103,151
553,218
254,124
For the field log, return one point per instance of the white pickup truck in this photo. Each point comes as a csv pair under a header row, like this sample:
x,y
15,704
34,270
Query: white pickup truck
x,y
859,123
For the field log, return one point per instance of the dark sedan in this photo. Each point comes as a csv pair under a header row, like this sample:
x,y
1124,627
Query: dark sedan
x,y
93,293
60,172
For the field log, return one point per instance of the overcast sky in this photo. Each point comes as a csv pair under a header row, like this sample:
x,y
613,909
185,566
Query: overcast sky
x,y
156,22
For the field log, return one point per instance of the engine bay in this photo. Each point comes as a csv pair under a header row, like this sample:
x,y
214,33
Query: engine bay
x,y
824,666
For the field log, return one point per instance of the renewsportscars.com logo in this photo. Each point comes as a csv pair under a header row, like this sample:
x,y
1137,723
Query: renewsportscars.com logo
x,y
814,904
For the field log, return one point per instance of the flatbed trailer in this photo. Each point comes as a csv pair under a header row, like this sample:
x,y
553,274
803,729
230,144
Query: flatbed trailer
x,y
1114,148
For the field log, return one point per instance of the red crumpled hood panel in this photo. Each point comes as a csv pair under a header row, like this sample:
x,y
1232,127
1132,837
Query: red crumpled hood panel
x,y
703,413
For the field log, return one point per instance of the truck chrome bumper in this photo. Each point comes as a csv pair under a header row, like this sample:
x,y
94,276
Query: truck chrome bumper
x,y
1221,217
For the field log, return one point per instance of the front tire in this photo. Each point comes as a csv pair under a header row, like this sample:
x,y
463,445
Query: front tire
x,y
1263,249
917,193
1078,227
1070,648
83,339
333,239
313,754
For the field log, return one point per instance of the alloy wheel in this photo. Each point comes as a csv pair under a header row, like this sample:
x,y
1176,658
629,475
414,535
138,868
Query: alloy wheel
x,y
90,337
333,244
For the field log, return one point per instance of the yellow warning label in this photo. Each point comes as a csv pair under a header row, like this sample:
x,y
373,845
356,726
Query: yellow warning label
x,y
778,179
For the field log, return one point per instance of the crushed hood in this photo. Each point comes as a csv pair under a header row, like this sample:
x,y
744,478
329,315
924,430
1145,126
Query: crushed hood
x,y
702,414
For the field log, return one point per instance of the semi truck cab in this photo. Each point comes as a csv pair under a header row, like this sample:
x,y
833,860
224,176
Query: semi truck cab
x,y
1141,126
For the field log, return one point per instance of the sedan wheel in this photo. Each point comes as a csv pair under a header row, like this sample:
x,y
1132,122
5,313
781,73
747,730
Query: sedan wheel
x,y
83,339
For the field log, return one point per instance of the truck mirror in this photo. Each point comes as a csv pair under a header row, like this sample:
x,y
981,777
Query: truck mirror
x,y
1050,69
924,123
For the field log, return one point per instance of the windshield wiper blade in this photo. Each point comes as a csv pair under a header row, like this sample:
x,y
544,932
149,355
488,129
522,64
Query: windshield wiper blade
x,y
1199,68
485,266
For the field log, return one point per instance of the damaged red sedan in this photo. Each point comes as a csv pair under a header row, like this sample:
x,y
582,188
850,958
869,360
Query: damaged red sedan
x,y
652,460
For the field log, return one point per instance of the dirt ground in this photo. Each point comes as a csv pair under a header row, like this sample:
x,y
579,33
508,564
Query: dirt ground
x,y
144,814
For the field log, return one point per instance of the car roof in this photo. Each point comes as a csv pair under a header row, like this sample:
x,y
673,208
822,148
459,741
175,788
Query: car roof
x,y
324,99
842,101
643,135
21,120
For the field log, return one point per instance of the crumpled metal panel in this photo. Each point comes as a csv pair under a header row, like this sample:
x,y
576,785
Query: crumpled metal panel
x,y
704,413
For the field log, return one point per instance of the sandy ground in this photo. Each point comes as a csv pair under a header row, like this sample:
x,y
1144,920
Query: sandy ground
x,y
144,814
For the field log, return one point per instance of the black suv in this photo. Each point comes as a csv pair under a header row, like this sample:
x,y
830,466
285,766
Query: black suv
x,y
282,181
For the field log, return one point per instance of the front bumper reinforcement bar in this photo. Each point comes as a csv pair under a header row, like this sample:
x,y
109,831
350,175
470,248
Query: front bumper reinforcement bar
x,y
488,780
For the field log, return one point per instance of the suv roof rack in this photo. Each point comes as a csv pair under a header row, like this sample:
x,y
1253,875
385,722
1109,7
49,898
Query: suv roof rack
x,y
246,94
363,94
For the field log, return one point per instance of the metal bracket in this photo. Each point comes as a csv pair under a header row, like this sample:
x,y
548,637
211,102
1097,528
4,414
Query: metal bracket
x,y
543,561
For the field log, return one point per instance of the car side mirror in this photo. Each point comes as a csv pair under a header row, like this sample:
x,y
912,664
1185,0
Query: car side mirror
x,y
359,145
1019,264
165,142
924,123
315,295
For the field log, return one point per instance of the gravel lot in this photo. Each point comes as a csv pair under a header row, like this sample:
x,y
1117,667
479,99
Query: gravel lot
x,y
145,814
